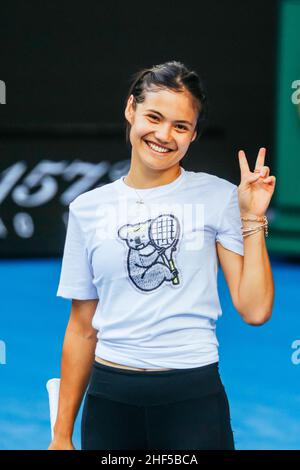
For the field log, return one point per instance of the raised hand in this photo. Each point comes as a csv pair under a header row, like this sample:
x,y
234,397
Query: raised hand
x,y
256,188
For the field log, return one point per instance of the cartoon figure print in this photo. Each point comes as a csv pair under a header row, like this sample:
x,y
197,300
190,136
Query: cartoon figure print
x,y
151,244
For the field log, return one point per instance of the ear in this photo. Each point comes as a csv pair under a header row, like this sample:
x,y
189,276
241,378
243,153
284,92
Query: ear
x,y
194,136
129,111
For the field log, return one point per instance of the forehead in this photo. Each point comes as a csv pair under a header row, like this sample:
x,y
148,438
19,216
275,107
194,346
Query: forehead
x,y
173,104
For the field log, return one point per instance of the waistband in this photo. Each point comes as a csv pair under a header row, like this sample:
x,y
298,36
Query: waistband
x,y
148,388
98,365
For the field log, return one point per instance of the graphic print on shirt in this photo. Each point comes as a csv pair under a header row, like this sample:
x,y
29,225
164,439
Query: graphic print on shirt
x,y
150,256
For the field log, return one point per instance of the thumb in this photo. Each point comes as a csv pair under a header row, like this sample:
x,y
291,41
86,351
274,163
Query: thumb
x,y
253,177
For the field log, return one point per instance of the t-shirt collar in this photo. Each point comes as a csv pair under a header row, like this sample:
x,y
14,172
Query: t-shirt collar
x,y
157,190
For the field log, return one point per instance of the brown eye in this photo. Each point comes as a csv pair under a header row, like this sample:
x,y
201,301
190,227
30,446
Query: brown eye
x,y
182,127
152,116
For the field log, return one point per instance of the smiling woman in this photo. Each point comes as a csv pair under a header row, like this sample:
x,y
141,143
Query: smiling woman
x,y
155,380
165,110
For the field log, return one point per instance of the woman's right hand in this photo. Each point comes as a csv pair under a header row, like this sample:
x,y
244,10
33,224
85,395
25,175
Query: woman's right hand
x,y
61,444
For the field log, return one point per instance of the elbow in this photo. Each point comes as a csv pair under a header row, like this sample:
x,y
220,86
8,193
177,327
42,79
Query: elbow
x,y
257,319
256,315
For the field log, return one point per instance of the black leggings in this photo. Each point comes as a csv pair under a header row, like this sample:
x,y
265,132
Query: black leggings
x,y
172,409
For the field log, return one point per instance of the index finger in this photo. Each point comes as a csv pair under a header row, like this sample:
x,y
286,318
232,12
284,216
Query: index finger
x,y
244,167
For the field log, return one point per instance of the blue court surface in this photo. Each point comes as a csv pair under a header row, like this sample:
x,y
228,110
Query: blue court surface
x,y
259,366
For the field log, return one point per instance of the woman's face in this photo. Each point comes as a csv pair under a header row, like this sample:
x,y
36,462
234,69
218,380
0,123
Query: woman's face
x,y
162,127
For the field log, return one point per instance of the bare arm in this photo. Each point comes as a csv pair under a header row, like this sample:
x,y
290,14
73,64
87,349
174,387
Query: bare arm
x,y
249,279
78,354
256,289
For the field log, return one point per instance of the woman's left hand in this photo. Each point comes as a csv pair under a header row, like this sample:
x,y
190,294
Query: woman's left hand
x,y
256,188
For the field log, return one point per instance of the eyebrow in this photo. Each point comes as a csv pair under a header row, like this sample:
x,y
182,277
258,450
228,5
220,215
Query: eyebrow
x,y
157,112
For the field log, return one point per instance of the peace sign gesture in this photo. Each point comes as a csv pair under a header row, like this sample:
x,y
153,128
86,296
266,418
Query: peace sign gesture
x,y
256,188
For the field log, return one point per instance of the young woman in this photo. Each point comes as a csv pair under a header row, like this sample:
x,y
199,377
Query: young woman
x,y
140,265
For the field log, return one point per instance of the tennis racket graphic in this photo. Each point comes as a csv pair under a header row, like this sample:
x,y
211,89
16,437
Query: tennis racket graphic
x,y
164,233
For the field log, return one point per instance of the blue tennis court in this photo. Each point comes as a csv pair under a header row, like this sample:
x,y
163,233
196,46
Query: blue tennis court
x,y
259,366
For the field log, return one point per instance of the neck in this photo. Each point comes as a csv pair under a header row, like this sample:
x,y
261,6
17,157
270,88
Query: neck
x,y
146,178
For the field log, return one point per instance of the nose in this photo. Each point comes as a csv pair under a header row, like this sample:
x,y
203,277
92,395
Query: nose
x,y
163,133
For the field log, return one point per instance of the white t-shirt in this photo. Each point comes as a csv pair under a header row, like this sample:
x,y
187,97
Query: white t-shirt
x,y
153,267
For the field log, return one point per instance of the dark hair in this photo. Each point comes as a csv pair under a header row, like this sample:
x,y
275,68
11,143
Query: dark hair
x,y
174,75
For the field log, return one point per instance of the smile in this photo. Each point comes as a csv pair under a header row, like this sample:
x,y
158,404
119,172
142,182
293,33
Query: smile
x,y
157,148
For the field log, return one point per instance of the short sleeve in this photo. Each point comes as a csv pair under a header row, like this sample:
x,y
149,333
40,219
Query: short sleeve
x,y
76,280
229,232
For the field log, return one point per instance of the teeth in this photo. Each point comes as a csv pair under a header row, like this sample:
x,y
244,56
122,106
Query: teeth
x,y
156,148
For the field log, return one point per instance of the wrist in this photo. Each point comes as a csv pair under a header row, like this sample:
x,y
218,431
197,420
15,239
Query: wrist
x,y
252,215
62,436
62,433
252,225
